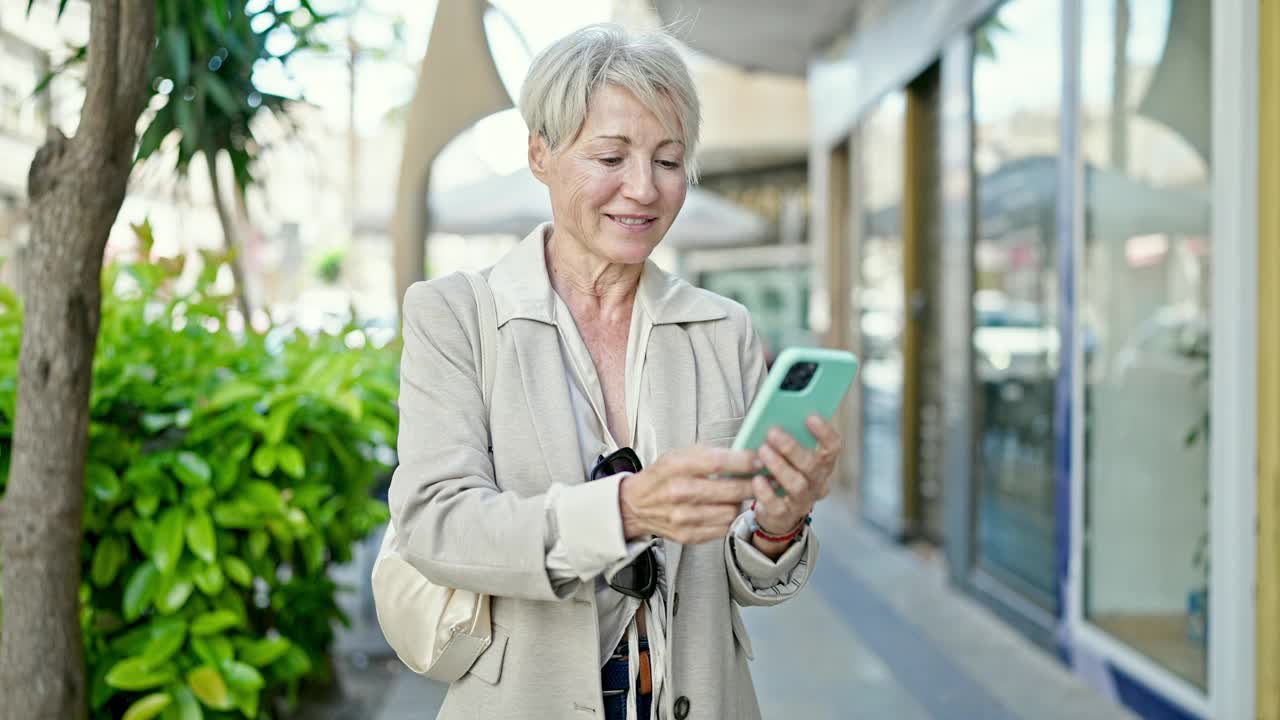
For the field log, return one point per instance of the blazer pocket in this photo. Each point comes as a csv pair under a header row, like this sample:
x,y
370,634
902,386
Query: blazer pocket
x,y
719,433
740,630
488,666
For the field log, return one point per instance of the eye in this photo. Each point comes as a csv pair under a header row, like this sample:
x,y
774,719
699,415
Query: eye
x,y
611,161
669,164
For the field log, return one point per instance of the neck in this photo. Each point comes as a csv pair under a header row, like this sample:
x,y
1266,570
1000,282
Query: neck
x,y
587,282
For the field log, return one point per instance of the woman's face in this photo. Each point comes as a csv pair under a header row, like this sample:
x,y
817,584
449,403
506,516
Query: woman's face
x,y
618,186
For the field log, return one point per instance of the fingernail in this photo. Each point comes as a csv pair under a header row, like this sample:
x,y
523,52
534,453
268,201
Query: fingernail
x,y
756,464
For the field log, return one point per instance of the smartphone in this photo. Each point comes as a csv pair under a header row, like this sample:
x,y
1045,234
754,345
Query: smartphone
x,y
802,382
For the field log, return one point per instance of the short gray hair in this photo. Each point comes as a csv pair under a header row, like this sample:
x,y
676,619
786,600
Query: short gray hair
x,y
563,77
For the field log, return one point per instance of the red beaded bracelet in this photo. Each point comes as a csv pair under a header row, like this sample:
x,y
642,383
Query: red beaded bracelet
x,y
758,531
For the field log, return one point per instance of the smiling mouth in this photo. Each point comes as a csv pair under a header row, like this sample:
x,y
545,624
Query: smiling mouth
x,y
633,221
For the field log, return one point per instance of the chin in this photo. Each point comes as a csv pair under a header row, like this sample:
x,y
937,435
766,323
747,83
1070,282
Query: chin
x,y
630,251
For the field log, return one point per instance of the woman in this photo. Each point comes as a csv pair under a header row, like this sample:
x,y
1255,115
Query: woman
x,y
586,500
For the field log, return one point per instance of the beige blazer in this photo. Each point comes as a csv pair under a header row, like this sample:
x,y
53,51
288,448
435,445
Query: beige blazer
x,y
472,516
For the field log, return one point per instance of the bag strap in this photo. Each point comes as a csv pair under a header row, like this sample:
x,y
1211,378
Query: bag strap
x,y
488,314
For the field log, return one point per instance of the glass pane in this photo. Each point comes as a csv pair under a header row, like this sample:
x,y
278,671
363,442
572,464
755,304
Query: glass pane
x,y
777,298
1145,305
880,292
1016,85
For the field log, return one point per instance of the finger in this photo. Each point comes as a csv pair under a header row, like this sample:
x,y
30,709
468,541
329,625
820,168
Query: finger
x,y
768,503
716,491
829,440
701,460
700,523
793,481
800,457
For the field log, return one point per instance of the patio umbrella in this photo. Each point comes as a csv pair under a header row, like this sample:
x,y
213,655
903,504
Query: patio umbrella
x,y
513,204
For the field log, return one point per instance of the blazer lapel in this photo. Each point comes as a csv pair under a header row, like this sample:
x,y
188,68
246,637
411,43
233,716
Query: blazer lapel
x,y
546,390
671,396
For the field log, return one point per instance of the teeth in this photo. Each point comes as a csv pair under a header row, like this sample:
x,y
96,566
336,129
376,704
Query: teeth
x,y
632,221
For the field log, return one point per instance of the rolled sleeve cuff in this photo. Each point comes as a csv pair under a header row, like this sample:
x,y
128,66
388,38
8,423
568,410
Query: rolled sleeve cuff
x,y
755,566
590,525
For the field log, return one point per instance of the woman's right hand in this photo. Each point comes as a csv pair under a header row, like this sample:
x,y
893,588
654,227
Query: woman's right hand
x,y
681,498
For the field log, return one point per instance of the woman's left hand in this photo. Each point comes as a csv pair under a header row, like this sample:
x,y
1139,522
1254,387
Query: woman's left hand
x,y
802,475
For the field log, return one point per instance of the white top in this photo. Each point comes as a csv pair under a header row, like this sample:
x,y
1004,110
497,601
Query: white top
x,y
610,551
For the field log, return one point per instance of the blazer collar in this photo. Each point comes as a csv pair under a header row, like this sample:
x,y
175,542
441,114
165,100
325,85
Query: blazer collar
x,y
522,289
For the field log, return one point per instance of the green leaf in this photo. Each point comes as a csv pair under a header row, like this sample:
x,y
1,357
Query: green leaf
x,y
186,706
140,591
259,541
278,422
186,125
246,701
192,469
132,642
200,498
103,482
209,687
313,552
143,532
159,128
201,538
178,47
264,497
167,545
237,515
215,650
173,593
99,691
231,393
244,677
214,622
136,674
237,571
167,637
263,652
219,93
349,402
264,460
294,664
108,557
211,579
148,707
291,461
146,504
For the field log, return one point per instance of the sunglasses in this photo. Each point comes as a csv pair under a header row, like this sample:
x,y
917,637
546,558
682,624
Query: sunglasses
x,y
639,578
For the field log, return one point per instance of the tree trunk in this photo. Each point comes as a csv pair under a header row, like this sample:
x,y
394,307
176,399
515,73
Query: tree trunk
x,y
229,237
76,187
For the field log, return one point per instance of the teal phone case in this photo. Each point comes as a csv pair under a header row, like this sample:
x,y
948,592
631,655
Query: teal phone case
x,y
788,409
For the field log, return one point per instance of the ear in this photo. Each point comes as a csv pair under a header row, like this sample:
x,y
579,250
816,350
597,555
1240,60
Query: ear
x,y
539,156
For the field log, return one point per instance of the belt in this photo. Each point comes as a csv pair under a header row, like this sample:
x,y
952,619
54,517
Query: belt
x,y
645,684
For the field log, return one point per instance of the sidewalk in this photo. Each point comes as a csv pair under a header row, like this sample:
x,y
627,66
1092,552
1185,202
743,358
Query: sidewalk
x,y
878,634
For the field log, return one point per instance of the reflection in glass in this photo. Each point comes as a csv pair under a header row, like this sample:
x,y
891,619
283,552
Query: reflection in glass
x,y
881,294
778,298
1016,109
1145,304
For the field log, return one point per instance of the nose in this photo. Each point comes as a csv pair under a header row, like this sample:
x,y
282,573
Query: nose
x,y
638,184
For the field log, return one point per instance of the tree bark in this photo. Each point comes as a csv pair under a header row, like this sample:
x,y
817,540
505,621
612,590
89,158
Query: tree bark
x,y
76,187
229,237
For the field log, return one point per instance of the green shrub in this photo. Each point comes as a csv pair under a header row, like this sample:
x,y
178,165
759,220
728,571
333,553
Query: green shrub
x,y
329,266
226,473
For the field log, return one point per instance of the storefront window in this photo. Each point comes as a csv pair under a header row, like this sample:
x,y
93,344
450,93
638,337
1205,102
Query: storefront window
x,y
778,298
1144,132
880,300
1016,106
